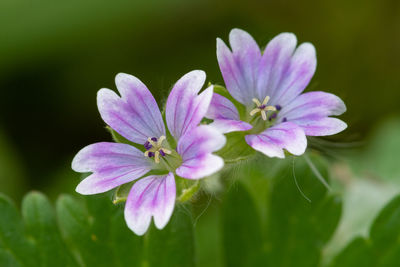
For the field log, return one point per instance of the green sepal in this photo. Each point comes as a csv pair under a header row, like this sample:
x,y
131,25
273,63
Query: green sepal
x,y
236,148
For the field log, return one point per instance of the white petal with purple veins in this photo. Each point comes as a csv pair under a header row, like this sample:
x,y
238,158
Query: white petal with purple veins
x,y
239,67
135,115
321,126
185,108
296,76
227,126
272,141
274,64
310,111
195,149
225,115
153,196
111,164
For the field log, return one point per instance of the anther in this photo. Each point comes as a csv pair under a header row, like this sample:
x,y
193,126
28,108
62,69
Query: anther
x,y
154,148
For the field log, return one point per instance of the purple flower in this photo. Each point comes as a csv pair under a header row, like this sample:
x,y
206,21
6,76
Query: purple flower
x,y
268,89
136,116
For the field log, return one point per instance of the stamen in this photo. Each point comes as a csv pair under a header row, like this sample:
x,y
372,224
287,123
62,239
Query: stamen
x,y
154,148
273,116
262,107
147,145
284,120
278,107
162,153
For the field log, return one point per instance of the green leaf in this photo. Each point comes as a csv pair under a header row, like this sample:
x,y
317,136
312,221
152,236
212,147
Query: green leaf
x,y
296,229
385,234
127,247
241,227
382,248
40,221
15,248
174,245
357,253
79,229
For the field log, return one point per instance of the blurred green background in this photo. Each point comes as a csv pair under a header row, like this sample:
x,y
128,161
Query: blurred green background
x,y
54,56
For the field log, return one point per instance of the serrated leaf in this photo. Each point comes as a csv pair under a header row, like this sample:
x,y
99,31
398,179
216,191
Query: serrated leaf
x,y
241,228
40,221
174,245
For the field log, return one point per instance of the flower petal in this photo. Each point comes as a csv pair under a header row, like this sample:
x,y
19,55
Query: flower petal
x,y
227,126
225,115
135,115
239,67
310,111
275,63
272,141
296,77
195,149
153,196
185,108
112,164
321,126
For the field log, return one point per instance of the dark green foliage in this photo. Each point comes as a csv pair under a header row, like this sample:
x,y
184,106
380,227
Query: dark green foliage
x,y
295,230
87,233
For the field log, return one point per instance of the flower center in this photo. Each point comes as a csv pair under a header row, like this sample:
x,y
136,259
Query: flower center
x,y
263,108
154,148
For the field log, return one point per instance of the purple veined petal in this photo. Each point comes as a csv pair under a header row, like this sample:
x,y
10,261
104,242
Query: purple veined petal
x,y
321,126
135,115
247,55
221,108
239,67
273,140
153,196
195,148
185,108
227,126
297,76
111,164
310,111
274,64
313,103
225,115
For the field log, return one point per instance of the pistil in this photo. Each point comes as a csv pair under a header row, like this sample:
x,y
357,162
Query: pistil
x,y
263,108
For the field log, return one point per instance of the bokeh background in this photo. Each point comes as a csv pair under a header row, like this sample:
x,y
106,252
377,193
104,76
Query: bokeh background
x,y
54,56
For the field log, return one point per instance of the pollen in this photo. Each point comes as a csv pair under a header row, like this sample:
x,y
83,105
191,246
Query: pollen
x,y
154,148
262,108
